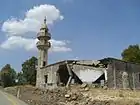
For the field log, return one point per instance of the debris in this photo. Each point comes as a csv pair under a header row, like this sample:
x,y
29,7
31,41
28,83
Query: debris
x,y
61,84
95,62
73,96
87,89
84,85
105,87
67,95
121,95
95,86
101,65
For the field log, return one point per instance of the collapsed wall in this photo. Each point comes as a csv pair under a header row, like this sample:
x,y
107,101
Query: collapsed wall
x,y
73,72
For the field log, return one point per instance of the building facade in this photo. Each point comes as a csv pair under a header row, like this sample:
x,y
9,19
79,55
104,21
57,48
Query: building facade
x,y
111,72
114,73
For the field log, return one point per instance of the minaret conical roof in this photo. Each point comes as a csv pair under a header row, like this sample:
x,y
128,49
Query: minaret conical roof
x,y
44,25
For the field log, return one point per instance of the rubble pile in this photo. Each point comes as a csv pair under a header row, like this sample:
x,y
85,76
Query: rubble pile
x,y
74,95
12,90
60,96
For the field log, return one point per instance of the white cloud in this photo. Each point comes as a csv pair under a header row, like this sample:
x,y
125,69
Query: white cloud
x,y
18,42
32,21
15,42
16,29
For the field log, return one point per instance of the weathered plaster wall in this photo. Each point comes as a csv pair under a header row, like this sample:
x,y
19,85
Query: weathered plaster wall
x,y
88,73
115,73
135,76
51,72
110,77
114,69
40,78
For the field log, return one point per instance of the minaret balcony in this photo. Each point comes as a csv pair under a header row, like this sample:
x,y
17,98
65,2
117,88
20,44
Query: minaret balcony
x,y
42,45
43,35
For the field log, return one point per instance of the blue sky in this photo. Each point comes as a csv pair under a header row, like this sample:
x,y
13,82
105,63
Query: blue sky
x,y
94,28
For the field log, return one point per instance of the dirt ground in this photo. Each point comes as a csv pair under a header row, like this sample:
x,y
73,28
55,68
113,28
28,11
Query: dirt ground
x,y
76,95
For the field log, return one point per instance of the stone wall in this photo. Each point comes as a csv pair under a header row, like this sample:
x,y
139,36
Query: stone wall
x,y
51,72
115,75
110,77
115,71
40,78
135,75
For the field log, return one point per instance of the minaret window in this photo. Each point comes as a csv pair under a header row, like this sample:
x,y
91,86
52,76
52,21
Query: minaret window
x,y
45,41
44,63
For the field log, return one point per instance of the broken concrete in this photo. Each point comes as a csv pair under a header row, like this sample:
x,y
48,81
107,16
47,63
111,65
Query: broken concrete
x,y
74,96
106,72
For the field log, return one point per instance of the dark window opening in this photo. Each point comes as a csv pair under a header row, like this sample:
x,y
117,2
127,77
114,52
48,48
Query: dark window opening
x,y
45,41
46,78
139,77
44,63
63,74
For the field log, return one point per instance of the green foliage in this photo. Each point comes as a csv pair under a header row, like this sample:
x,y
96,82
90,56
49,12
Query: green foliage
x,y
29,70
131,54
21,79
8,76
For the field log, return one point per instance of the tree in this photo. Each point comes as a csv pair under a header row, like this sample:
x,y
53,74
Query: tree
x,y
131,54
29,70
21,79
8,76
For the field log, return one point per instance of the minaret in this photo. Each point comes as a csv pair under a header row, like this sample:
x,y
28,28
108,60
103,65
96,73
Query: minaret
x,y
43,46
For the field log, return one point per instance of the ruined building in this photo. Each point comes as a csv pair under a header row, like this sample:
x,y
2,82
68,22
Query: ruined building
x,y
111,72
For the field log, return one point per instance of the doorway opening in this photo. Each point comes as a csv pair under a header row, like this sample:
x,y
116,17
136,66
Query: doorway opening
x,y
46,78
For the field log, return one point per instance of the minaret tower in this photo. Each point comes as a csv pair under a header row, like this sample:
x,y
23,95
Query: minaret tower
x,y
43,46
